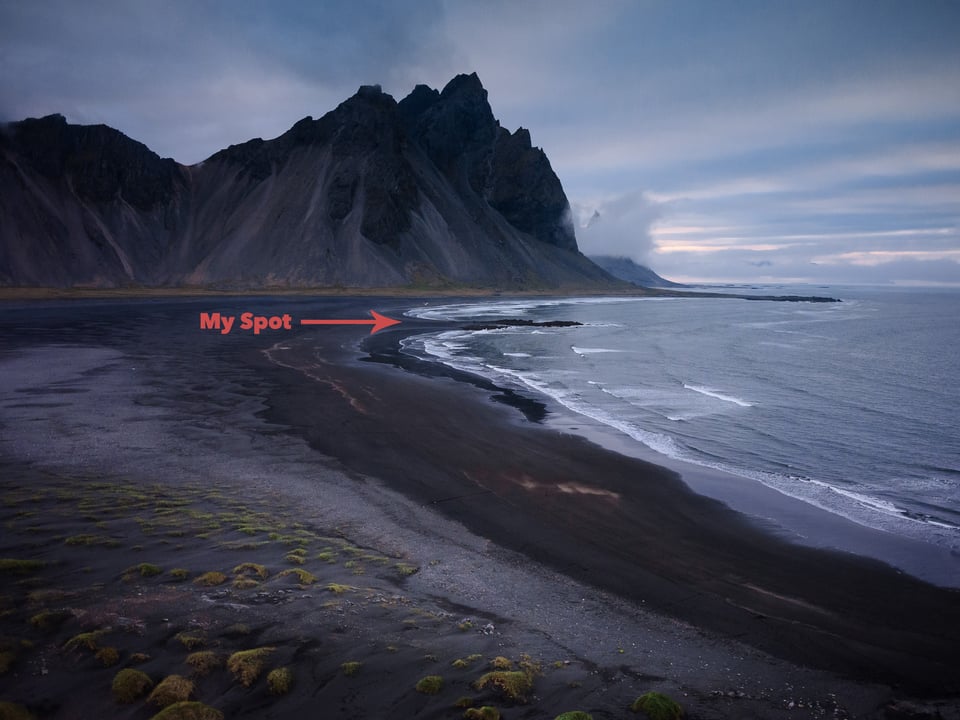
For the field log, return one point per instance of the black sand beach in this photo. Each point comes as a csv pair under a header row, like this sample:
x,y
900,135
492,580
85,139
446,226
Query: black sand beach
x,y
475,531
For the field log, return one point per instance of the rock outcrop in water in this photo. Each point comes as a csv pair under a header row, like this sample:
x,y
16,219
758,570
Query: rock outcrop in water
x,y
430,191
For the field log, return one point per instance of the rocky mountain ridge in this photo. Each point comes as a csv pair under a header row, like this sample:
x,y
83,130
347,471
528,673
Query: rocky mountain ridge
x,y
430,191
629,271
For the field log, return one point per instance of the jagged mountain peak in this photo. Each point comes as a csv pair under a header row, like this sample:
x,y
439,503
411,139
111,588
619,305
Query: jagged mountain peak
x,y
375,192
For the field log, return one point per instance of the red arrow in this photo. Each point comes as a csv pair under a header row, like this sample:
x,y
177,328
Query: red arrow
x,y
379,322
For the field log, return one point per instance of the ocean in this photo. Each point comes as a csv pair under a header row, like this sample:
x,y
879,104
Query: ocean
x,y
851,407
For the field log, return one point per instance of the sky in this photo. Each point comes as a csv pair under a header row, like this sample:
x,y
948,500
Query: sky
x,y
808,141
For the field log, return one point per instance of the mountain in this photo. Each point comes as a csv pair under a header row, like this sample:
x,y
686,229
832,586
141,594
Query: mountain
x,y
626,269
430,191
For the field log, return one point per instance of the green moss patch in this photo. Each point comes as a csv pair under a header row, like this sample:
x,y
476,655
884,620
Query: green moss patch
x,y
188,711
210,579
351,668
172,689
143,570
108,656
204,662
86,640
130,685
657,706
487,712
430,685
514,685
465,662
302,576
50,620
190,640
406,570
574,715
296,557
86,540
247,665
14,566
280,680
250,568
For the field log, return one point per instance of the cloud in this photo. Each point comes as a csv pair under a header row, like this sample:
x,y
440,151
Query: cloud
x,y
188,79
617,226
757,122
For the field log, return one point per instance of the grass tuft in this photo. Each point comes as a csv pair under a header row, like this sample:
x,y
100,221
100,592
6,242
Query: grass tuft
x,y
108,656
204,662
430,685
514,685
179,574
210,579
303,577
465,662
280,680
86,640
246,665
657,706
191,641
172,689
487,712
49,620
250,568
351,668
129,685
501,663
144,570
20,567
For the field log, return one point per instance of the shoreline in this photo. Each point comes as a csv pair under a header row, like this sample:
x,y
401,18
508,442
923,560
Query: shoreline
x,y
774,510
379,458
793,519
709,565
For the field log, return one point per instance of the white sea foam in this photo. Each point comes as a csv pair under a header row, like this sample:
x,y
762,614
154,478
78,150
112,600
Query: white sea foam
x,y
654,400
592,351
506,308
709,392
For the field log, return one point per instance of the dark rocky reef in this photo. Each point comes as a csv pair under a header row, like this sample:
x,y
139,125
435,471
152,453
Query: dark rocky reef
x,y
792,298
521,322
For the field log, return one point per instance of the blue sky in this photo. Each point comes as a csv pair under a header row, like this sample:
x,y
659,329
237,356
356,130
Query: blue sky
x,y
720,141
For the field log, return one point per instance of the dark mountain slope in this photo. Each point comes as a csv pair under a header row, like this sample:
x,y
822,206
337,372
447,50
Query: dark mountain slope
x,y
430,190
626,269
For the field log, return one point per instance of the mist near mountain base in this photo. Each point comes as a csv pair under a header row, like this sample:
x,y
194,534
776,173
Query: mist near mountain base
x,y
619,226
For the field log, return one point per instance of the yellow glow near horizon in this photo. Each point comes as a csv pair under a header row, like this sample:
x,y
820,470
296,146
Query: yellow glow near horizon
x,y
878,257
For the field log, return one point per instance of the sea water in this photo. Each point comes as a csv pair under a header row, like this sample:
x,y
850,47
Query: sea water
x,y
851,406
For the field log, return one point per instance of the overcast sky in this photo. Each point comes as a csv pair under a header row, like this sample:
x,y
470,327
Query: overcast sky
x,y
813,141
